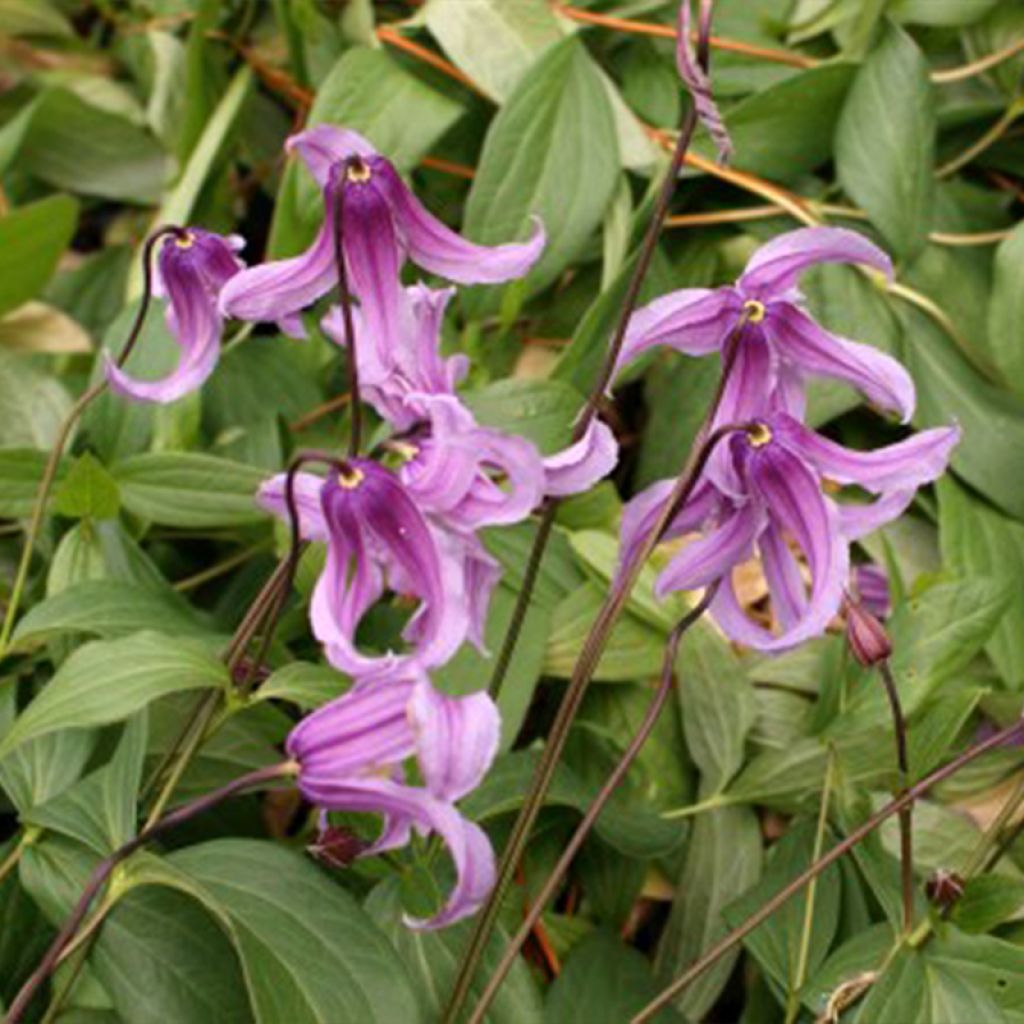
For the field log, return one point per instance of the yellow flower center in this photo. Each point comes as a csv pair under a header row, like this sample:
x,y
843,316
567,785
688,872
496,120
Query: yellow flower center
x,y
358,171
754,311
350,477
759,434
185,240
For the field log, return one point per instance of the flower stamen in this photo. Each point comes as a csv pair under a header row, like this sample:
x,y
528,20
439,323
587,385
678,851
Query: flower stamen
x,y
358,171
754,311
350,477
759,434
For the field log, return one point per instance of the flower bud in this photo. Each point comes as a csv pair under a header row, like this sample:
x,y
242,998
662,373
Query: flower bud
x,y
866,636
337,847
944,888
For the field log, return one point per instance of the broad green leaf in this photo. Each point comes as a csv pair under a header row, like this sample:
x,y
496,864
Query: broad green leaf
x,y
87,492
368,92
189,489
604,981
723,860
107,609
307,685
776,944
557,126
20,472
164,959
33,404
1006,310
978,541
944,13
32,239
308,952
885,142
75,146
432,959
24,933
109,680
37,327
493,42
989,901
542,411
559,572
32,18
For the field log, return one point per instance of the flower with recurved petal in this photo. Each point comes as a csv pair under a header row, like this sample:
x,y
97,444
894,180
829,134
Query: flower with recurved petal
x,y
379,539
351,755
192,268
382,224
780,467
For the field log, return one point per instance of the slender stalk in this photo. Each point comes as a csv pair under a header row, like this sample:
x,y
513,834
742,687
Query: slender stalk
x,y
105,868
345,300
899,723
738,934
993,845
992,136
10,862
63,435
612,783
220,569
977,67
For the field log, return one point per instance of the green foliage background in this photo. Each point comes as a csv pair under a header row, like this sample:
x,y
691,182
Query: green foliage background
x,y
118,115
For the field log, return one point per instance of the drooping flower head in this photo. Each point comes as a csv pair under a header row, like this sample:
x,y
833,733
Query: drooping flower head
x,y
382,224
780,467
378,540
351,755
192,268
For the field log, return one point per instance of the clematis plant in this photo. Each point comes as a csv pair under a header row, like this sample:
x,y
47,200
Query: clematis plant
x,y
781,467
192,268
351,756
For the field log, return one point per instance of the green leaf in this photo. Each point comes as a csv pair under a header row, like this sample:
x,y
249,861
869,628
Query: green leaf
x,y
604,981
32,404
945,13
24,933
73,145
978,541
494,43
885,142
189,489
308,952
1006,310
32,239
88,491
368,92
107,609
108,681
989,901
557,126
32,18
432,959
723,860
306,685
542,411
20,472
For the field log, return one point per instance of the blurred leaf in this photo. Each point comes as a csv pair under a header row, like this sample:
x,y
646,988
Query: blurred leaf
x,y
32,239
494,43
36,327
604,981
885,142
109,680
87,492
32,18
20,471
432,959
403,128
75,146
309,686
33,404
189,489
542,411
24,933
1006,310
723,860
989,901
555,128
945,13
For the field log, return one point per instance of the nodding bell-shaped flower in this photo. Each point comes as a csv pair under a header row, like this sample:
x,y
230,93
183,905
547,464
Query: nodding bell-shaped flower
x,y
778,345
352,752
192,267
781,467
383,223
378,539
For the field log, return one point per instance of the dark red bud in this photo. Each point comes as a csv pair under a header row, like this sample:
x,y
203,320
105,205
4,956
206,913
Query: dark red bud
x,y
944,888
337,847
866,636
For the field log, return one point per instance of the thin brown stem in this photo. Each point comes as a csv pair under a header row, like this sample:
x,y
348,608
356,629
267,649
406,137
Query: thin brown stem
x,y
899,723
612,783
738,934
105,868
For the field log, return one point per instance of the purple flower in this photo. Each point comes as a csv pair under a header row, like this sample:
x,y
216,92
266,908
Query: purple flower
x,y
351,756
192,268
383,223
696,79
871,588
778,344
577,468
779,465
378,539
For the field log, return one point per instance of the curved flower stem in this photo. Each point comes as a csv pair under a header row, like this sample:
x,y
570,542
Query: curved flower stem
x,y
738,934
345,300
979,66
612,783
66,428
899,723
105,868
687,127
992,136
583,672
